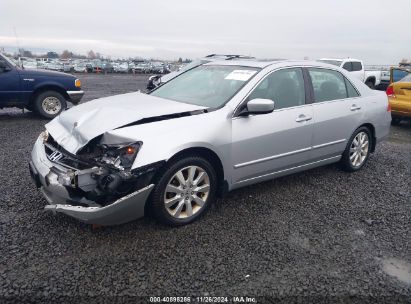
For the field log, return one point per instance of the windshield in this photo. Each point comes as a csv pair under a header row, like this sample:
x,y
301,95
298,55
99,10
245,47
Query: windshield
x,y
206,85
8,60
333,62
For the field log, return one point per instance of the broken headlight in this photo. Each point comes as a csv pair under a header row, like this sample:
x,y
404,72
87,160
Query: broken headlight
x,y
44,135
121,156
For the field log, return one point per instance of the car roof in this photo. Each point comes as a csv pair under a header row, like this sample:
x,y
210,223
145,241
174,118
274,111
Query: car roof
x,y
340,59
263,64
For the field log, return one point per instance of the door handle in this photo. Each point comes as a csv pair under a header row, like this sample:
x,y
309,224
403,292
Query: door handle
x,y
302,118
354,107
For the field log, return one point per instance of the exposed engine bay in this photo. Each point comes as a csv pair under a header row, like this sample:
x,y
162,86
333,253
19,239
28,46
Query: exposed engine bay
x,y
100,173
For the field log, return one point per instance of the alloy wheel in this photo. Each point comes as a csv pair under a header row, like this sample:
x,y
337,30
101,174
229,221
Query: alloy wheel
x,y
359,149
186,192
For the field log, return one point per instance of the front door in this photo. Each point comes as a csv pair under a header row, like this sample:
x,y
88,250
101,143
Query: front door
x,y
9,85
267,143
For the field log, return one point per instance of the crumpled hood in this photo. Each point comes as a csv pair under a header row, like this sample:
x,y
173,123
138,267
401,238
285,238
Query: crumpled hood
x,y
74,128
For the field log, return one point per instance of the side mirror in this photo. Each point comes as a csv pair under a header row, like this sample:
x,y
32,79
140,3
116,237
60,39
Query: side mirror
x,y
259,106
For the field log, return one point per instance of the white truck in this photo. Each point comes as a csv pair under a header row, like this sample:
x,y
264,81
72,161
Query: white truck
x,y
356,67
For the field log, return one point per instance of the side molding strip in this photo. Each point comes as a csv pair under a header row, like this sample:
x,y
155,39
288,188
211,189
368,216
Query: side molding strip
x,y
289,169
287,154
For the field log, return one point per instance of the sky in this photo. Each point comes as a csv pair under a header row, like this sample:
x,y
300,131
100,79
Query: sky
x,y
376,31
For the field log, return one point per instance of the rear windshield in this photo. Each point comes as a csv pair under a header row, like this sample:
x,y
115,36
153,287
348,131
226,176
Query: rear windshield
x,y
406,78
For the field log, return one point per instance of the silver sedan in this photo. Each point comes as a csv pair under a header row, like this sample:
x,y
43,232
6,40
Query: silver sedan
x,y
212,129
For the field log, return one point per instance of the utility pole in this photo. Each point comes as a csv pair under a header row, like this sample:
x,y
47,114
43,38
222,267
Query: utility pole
x,y
17,40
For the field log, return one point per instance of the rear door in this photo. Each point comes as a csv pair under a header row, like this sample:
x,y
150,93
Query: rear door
x,y
337,112
267,143
10,92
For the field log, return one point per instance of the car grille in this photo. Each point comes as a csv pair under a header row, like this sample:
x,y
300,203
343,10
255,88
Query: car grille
x,y
56,154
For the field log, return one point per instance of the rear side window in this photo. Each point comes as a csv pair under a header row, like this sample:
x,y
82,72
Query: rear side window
x,y
284,87
327,84
356,66
347,66
351,91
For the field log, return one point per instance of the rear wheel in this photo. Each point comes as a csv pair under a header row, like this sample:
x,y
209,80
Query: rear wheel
x,y
395,121
357,151
49,104
184,191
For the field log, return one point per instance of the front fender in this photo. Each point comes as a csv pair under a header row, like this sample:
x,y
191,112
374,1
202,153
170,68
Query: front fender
x,y
51,83
164,139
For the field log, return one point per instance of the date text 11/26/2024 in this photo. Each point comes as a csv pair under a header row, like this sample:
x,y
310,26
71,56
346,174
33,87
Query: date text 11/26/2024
x,y
203,299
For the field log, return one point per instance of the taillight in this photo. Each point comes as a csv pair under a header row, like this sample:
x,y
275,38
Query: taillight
x,y
389,107
390,92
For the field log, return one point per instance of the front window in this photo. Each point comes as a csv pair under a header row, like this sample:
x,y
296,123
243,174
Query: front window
x,y
284,87
7,60
207,85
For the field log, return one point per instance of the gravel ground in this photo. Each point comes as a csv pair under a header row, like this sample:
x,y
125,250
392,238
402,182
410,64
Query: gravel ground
x,y
322,235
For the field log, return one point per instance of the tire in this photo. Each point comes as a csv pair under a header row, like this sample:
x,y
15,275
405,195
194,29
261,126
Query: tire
x,y
178,203
347,162
49,104
370,84
395,121
29,107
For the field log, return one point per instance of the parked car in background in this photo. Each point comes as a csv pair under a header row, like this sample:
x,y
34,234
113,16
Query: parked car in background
x,y
80,68
54,66
157,80
107,67
356,67
68,67
398,73
158,68
44,92
399,95
385,79
30,64
221,126
121,68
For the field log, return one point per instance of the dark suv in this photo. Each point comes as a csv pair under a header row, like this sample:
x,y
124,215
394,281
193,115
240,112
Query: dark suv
x,y
44,92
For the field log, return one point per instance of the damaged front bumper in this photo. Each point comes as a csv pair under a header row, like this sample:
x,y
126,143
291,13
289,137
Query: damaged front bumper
x,y
47,176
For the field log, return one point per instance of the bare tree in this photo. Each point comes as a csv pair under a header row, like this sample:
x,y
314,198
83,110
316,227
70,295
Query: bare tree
x,y
91,54
66,54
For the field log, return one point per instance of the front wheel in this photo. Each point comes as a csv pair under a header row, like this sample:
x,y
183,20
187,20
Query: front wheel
x,y
184,190
357,151
49,104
